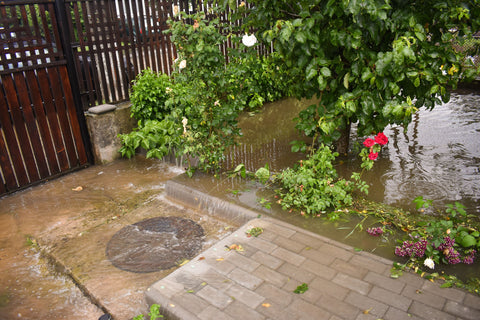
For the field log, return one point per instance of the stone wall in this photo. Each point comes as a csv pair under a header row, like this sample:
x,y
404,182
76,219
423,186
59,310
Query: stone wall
x,y
105,123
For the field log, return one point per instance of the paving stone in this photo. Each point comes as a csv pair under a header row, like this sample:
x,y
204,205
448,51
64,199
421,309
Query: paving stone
x,y
243,262
369,264
223,267
247,297
267,260
213,313
463,311
168,288
472,301
280,229
384,282
365,303
425,297
367,316
427,312
191,302
307,240
348,268
352,283
409,278
215,297
338,307
296,273
318,269
271,276
390,298
317,256
304,310
328,287
395,314
288,256
216,280
335,251
262,244
244,278
274,295
448,293
288,244
275,312
237,308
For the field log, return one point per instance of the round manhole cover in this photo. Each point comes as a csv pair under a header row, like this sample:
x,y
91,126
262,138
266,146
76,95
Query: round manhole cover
x,y
155,244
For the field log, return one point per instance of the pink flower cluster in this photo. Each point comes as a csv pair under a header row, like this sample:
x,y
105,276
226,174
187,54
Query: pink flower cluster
x,y
375,231
380,139
452,256
412,249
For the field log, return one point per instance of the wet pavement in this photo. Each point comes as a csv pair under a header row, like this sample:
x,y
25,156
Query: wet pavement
x,y
248,277
53,262
53,240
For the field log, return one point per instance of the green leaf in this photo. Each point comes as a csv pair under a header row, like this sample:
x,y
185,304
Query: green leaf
x,y
322,84
301,288
325,72
300,37
467,241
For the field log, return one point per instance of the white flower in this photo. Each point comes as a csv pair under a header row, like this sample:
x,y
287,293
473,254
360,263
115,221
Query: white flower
x,y
217,103
168,90
176,10
182,64
429,263
184,122
249,40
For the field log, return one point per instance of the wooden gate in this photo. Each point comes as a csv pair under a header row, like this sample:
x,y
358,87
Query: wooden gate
x,y
40,133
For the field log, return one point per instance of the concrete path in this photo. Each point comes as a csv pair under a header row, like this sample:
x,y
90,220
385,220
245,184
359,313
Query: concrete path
x,y
258,281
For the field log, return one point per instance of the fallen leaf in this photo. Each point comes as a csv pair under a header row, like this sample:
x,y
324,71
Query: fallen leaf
x,y
201,258
220,259
367,311
204,284
183,262
79,188
266,305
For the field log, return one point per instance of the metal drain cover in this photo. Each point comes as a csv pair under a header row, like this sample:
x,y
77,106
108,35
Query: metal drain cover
x,y
155,244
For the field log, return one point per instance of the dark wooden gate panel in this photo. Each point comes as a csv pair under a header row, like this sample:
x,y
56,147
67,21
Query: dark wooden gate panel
x,y
40,134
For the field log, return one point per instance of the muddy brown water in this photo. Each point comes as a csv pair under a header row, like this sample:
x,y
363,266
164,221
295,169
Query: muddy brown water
x,y
71,220
437,157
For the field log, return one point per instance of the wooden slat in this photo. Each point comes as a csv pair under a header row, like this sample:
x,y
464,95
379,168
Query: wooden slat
x,y
71,110
58,96
52,119
41,117
19,125
5,163
31,124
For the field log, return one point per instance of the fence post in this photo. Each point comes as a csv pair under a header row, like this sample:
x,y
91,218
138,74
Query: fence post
x,y
62,21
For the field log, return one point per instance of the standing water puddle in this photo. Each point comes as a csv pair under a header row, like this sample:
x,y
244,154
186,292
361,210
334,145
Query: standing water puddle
x,y
438,157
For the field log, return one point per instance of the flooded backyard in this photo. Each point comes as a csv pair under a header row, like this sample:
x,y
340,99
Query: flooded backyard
x,y
437,157
54,261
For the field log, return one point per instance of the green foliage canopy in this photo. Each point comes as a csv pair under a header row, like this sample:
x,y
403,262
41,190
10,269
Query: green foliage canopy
x,y
371,61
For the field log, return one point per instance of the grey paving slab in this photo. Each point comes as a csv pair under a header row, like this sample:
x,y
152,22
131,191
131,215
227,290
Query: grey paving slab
x,y
257,281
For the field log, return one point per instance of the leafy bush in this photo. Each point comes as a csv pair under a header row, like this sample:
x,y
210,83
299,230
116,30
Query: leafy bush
x,y
148,96
314,186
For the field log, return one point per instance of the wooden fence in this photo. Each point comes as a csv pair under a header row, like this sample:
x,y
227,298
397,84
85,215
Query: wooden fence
x,y
114,40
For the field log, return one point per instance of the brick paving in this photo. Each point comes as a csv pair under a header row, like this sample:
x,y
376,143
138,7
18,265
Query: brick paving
x,y
258,282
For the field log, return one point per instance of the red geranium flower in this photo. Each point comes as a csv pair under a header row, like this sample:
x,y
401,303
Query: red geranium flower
x,y
381,139
369,142
373,155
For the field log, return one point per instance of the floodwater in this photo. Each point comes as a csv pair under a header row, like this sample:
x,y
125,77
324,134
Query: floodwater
x,y
437,157
63,271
